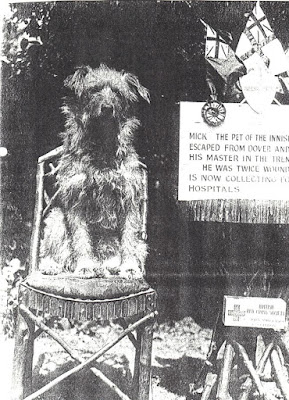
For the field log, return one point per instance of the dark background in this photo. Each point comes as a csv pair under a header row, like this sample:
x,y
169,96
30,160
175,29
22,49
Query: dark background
x,y
163,44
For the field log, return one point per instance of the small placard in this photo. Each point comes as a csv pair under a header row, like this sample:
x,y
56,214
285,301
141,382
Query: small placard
x,y
254,312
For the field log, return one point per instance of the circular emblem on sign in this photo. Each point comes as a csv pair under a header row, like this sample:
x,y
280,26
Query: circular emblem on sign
x,y
214,112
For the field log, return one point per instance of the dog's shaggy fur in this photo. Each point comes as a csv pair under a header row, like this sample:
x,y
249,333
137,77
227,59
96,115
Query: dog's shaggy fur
x,y
95,229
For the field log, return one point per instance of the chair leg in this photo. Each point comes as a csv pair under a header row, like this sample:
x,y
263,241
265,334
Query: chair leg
x,y
23,358
142,367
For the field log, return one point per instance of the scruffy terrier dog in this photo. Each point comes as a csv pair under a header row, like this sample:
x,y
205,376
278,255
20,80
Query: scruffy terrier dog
x,y
95,229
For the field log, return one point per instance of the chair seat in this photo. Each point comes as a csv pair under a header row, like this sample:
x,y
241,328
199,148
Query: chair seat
x,y
87,299
92,289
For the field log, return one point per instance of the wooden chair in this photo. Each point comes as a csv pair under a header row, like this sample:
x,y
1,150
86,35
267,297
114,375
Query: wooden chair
x,y
131,303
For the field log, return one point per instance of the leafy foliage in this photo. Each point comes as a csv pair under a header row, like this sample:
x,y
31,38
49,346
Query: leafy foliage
x,y
26,33
16,235
15,239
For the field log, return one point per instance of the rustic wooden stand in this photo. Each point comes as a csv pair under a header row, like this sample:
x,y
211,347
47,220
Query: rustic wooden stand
x,y
224,382
130,303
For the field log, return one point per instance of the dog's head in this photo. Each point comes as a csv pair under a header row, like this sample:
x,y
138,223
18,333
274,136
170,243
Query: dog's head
x,y
105,92
100,100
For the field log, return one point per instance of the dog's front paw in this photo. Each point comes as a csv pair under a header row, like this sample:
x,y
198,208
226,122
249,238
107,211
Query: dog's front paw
x,y
84,271
130,269
47,266
87,268
112,265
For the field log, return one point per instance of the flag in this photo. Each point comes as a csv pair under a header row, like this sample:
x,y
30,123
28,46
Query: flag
x,y
225,67
259,87
258,24
279,63
219,54
216,46
284,85
258,39
284,78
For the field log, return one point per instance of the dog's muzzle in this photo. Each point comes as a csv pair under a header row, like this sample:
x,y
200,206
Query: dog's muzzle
x,y
107,111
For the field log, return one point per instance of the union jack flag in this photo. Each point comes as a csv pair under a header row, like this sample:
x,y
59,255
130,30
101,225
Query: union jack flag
x,y
219,54
258,24
258,44
216,46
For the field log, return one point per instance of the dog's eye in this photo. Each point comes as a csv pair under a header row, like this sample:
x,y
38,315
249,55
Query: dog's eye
x,y
118,93
93,90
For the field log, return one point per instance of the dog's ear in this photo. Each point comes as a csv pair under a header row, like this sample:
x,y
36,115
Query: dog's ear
x,y
133,81
76,81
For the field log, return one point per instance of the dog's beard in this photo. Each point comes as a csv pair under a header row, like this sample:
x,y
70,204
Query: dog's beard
x,y
102,141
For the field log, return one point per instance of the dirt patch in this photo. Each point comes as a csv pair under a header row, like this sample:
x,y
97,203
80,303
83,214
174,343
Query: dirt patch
x,y
179,348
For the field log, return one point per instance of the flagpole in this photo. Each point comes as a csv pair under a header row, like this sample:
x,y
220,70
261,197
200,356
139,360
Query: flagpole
x,y
203,22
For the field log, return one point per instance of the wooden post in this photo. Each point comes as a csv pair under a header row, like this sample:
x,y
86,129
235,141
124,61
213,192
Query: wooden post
x,y
210,382
35,242
225,373
248,384
135,383
280,373
39,206
23,358
142,368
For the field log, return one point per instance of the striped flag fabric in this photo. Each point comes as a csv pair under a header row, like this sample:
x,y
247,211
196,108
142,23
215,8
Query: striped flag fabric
x,y
279,63
258,24
259,41
219,54
216,46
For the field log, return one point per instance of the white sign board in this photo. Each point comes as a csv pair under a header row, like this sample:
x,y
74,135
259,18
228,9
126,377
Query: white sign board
x,y
254,312
247,157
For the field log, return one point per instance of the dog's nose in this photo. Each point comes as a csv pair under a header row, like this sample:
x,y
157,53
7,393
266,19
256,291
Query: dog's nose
x,y
106,109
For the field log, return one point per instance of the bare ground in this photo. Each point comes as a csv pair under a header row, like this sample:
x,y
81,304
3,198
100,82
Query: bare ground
x,y
179,349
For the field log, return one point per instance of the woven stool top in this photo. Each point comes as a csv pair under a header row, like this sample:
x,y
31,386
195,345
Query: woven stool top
x,y
91,289
87,299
